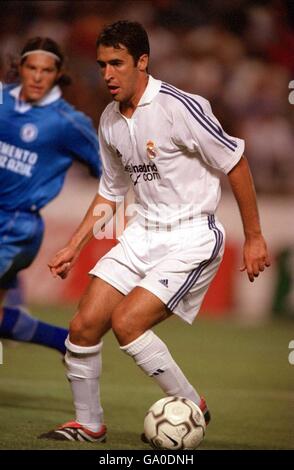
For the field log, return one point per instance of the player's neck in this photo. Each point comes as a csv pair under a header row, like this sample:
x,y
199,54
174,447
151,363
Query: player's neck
x,y
127,108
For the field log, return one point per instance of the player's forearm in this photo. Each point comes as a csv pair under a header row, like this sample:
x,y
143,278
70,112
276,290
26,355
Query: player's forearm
x,y
242,185
98,215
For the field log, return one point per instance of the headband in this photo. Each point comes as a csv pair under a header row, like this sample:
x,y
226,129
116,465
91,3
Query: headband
x,y
51,54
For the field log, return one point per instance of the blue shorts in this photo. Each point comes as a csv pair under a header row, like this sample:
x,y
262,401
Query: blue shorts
x,y
21,235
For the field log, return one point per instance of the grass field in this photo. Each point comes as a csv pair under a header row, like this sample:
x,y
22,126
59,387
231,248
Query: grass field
x,y
243,372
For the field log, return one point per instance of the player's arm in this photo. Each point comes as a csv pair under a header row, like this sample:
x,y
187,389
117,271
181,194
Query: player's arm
x,y
113,185
81,141
255,254
99,213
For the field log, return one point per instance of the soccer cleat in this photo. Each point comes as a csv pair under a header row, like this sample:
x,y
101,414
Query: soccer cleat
x,y
73,431
206,413
203,407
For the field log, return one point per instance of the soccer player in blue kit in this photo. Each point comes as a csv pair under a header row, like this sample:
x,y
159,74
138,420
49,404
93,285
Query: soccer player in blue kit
x,y
40,137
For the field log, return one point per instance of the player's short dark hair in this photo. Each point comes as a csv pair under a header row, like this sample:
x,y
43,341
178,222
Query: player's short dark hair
x,y
33,44
130,34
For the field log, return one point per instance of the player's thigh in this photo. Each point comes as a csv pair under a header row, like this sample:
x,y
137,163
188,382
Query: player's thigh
x,y
182,278
19,244
139,311
93,317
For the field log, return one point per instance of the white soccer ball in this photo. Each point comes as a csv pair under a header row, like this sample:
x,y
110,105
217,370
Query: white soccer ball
x,y
174,423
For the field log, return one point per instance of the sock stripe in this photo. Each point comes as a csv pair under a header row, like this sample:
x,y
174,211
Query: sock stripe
x,y
10,316
18,325
25,327
156,361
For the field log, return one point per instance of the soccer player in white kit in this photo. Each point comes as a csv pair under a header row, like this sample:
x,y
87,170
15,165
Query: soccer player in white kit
x,y
170,148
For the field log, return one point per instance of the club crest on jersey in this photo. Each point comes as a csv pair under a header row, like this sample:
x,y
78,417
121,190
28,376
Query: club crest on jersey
x,y
28,132
151,150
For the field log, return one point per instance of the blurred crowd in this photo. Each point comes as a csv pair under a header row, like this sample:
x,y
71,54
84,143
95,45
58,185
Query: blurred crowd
x,y
239,54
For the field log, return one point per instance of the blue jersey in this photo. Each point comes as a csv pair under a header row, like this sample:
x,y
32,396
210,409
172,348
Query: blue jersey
x,y
38,144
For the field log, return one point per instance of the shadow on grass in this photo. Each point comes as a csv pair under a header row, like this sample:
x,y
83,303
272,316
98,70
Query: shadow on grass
x,y
13,399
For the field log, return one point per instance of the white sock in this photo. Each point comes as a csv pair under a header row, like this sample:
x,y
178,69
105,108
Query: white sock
x,y
153,357
84,366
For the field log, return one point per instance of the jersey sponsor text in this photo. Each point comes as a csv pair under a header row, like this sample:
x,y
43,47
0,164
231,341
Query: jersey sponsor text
x,y
16,159
148,172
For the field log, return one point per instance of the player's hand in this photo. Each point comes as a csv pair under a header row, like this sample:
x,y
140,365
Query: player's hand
x,y
255,256
63,261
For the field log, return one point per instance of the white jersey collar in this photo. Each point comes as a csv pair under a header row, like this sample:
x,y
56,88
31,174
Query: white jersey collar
x,y
151,90
24,106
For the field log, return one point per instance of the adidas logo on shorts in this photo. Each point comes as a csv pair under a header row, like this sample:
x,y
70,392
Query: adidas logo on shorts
x,y
164,282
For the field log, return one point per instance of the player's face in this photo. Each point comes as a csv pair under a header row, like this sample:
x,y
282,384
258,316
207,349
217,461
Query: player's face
x,y
38,75
126,81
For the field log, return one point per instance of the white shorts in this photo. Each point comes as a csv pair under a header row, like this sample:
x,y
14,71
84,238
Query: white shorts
x,y
177,265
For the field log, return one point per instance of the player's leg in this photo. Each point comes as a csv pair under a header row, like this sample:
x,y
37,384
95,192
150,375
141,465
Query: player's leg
x,y
16,296
84,362
177,284
112,280
132,321
18,249
17,324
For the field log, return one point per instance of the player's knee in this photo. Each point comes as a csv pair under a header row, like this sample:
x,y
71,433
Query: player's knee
x,y
122,325
75,330
81,330
118,322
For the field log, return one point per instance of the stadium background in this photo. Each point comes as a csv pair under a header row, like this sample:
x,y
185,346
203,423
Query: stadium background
x,y
240,55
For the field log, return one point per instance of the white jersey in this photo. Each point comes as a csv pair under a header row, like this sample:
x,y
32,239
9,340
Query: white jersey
x,y
171,151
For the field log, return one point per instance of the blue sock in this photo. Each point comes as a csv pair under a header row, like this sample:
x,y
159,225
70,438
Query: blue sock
x,y
20,326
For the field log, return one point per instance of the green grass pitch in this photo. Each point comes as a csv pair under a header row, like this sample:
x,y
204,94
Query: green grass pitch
x,y
243,372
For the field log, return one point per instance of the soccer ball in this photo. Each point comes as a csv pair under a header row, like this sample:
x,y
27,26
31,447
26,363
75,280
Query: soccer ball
x,y
174,423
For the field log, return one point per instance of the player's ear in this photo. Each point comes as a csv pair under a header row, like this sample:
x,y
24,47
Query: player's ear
x,y
58,75
143,62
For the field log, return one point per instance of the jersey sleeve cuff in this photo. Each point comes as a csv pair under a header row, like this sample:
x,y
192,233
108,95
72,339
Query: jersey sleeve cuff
x,y
111,197
237,157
